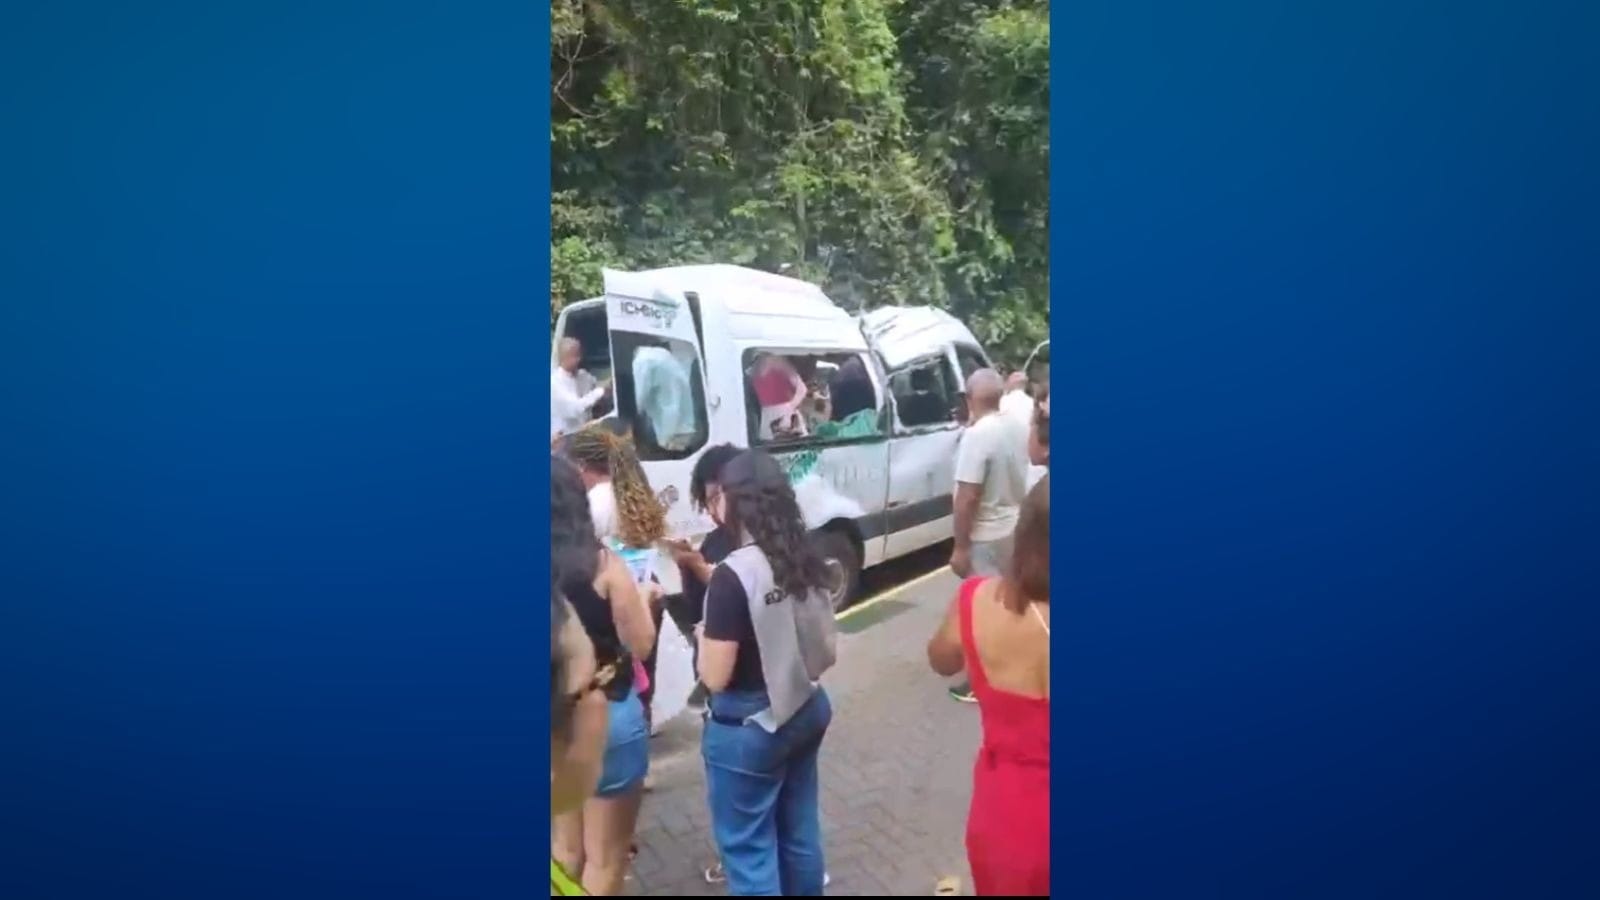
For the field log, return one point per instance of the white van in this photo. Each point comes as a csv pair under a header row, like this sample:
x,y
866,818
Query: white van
x,y
873,468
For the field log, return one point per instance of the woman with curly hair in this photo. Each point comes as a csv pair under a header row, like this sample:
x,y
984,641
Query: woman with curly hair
x,y
627,515
624,507
768,636
592,842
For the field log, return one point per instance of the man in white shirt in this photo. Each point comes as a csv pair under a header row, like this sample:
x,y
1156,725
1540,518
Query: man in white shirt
x,y
1016,403
991,482
569,409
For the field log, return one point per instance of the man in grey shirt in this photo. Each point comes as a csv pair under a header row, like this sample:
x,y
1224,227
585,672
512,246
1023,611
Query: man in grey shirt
x,y
991,482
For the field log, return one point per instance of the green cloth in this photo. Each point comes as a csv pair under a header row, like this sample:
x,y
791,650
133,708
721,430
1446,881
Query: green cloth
x,y
561,884
855,425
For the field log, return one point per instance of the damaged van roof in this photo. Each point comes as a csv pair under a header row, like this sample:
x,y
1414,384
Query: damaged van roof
x,y
905,333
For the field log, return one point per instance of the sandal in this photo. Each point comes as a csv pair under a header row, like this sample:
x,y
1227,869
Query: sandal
x,y
948,887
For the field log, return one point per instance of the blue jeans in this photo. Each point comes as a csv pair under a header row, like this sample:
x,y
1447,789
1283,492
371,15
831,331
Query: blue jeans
x,y
764,795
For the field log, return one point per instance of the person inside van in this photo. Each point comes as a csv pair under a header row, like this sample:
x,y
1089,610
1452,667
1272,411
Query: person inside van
x,y
924,405
852,389
768,637
663,396
780,392
572,400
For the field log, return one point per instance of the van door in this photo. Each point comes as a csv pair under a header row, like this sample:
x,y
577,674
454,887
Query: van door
x,y
659,379
922,453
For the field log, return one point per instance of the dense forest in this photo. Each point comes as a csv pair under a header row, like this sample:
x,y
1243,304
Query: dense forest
x,y
891,151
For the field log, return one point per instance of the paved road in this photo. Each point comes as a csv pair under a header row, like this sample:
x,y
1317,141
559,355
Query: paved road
x,y
896,764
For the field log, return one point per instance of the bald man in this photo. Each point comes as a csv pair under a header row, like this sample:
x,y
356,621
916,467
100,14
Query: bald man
x,y
569,409
991,481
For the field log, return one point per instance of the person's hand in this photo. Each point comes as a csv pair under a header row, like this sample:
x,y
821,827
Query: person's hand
x,y
961,562
683,554
656,594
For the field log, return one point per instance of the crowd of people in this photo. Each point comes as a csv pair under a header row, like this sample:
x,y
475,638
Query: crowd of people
x,y
763,632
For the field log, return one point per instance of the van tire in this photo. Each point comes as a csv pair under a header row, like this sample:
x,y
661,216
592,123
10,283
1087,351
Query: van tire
x,y
839,553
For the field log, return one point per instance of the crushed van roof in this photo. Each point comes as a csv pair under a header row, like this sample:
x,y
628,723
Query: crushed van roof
x,y
905,333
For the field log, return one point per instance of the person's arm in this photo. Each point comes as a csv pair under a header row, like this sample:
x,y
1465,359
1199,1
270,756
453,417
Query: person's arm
x,y
727,620
970,468
944,648
630,607
587,401
564,400
799,385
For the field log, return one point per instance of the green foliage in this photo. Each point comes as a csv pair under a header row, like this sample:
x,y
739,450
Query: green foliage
x,y
893,152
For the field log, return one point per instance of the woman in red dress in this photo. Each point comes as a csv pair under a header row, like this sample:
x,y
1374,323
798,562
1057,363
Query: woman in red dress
x,y
998,630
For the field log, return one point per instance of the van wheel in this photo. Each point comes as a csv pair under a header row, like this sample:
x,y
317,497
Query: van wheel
x,y
843,565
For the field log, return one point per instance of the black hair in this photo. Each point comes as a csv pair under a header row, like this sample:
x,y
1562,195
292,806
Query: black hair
x,y
708,471
574,547
762,503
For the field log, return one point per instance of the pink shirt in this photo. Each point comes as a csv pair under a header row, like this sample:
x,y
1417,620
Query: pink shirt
x,y
774,384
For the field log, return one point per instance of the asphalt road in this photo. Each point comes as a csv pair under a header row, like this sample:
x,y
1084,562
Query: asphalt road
x,y
896,572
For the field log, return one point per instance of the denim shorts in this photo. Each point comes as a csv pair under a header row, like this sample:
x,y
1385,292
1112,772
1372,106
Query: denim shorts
x,y
627,747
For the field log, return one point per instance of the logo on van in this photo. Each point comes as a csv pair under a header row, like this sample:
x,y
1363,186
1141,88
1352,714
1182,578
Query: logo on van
x,y
660,312
667,496
798,465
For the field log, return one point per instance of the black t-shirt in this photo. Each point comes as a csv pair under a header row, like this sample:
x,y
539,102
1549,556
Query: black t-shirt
x,y
728,619
714,549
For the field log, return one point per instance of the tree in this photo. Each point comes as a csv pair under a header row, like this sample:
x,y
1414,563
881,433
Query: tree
x,y
795,132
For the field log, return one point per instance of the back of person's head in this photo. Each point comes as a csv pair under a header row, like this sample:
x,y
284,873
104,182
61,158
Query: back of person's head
x,y
984,389
708,471
1029,578
641,519
760,502
574,547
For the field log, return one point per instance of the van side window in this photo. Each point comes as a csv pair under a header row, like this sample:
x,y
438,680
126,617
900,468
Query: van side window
x,y
807,399
661,394
927,393
971,359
